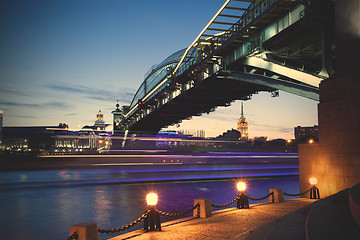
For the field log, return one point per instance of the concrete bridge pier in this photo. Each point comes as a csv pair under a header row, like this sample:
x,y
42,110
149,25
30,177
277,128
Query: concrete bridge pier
x,y
335,161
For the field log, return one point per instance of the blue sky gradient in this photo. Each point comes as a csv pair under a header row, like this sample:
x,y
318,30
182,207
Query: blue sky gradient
x,y
63,60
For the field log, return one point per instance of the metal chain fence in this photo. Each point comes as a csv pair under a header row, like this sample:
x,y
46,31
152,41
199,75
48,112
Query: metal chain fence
x,y
123,228
262,198
180,213
75,235
298,194
227,204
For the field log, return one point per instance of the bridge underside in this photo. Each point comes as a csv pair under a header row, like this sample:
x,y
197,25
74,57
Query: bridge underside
x,y
203,98
218,90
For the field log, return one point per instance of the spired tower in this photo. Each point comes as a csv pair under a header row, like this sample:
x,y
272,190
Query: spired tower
x,y
99,123
242,126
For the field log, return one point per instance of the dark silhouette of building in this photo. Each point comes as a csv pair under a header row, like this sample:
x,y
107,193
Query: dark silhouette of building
x,y
37,138
1,125
230,134
304,134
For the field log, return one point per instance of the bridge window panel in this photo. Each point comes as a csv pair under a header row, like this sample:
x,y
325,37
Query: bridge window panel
x,y
139,94
270,31
174,57
154,79
295,14
158,76
283,23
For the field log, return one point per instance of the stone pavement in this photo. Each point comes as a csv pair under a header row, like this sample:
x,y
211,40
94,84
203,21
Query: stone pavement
x,y
230,223
294,219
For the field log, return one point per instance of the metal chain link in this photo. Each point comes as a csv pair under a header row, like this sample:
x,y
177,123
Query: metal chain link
x,y
179,213
298,194
74,236
262,198
123,228
227,204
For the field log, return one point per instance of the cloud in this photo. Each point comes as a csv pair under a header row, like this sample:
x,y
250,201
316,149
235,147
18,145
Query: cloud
x,y
123,94
36,105
24,92
21,116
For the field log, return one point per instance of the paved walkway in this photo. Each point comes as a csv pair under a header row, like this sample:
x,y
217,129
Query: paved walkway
x,y
294,219
231,223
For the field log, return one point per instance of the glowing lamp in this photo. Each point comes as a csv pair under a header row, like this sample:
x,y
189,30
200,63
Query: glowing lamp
x,y
311,141
313,181
241,186
289,140
151,199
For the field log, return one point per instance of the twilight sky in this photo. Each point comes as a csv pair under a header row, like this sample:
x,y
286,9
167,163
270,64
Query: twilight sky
x,y
63,60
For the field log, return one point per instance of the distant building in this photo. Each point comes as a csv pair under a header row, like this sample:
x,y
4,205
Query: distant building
x,y
242,126
260,139
304,134
259,142
37,138
230,135
99,123
194,133
83,140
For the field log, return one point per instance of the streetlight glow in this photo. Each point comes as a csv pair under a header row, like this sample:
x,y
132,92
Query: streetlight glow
x,y
151,199
241,186
313,181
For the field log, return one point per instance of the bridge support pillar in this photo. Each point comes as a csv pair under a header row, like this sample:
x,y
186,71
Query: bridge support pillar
x,y
335,161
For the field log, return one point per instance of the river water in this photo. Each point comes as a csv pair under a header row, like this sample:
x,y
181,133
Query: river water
x,y
42,204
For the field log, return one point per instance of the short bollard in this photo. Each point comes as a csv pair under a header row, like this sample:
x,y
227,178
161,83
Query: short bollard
x,y
152,221
277,196
204,210
85,231
243,199
314,191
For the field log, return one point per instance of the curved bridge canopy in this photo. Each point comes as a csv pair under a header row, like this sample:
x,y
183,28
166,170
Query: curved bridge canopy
x,y
257,53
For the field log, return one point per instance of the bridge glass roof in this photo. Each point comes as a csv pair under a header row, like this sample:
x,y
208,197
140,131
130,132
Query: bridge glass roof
x,y
181,60
160,72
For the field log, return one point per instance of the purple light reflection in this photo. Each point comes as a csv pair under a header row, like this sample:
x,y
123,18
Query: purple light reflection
x,y
186,178
195,169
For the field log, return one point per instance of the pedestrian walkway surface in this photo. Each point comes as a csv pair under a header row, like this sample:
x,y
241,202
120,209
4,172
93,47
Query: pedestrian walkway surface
x,y
230,223
294,219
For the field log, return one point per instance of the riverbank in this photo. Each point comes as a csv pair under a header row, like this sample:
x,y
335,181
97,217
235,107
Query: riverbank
x,y
294,219
231,223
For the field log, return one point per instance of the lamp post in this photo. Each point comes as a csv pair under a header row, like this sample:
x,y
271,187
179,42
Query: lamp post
x,y
314,191
152,221
243,201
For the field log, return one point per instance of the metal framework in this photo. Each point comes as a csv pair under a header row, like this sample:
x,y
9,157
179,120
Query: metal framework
x,y
248,46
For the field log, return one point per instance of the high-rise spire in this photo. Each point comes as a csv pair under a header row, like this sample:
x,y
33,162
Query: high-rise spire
x,y
242,110
242,125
